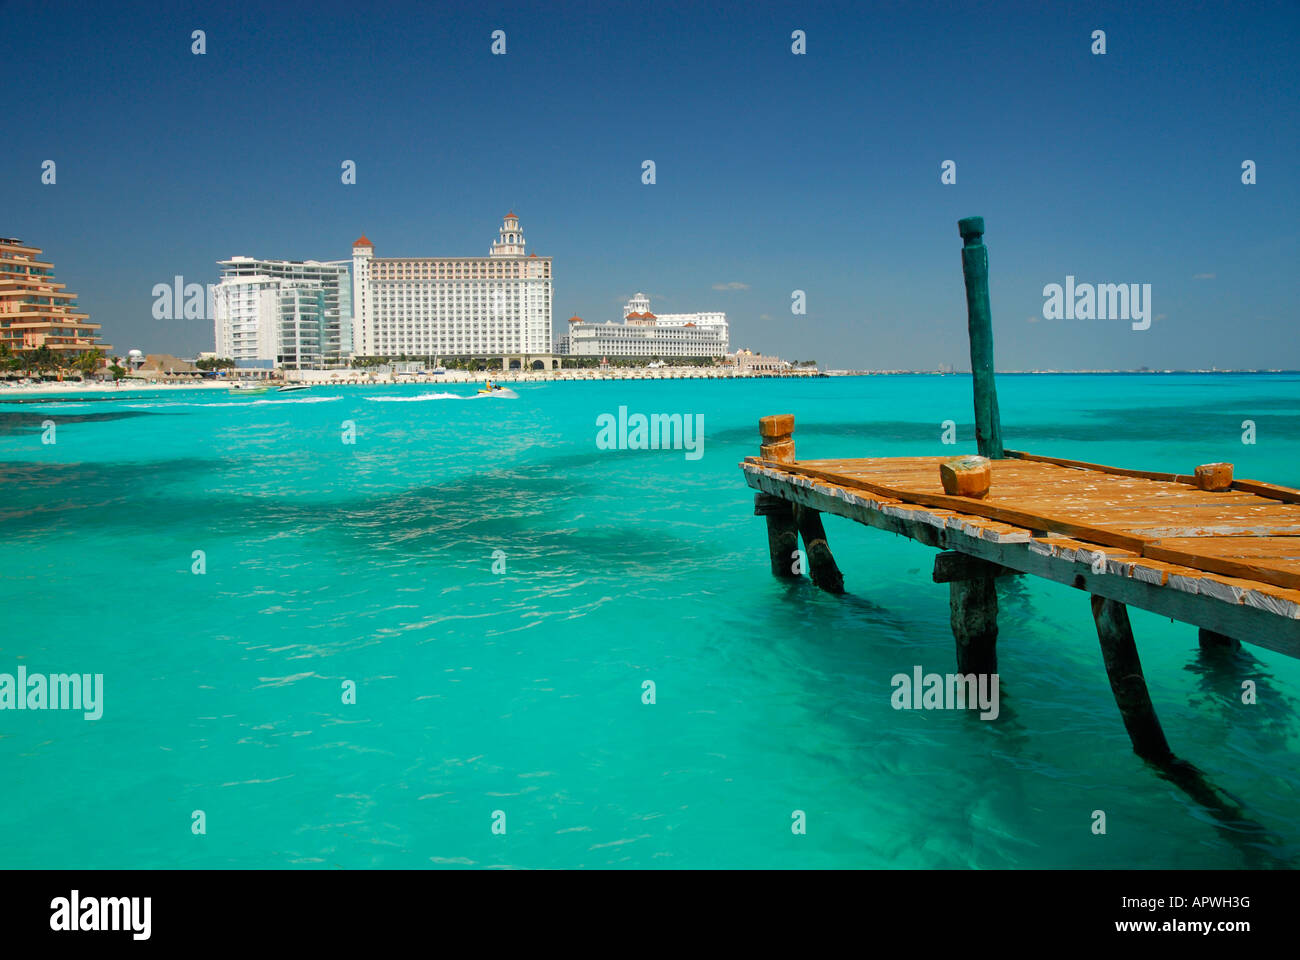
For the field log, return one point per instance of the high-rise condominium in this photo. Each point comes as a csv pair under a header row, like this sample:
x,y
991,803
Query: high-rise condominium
x,y
35,311
288,314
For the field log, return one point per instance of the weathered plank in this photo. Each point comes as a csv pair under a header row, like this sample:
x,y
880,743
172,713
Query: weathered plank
x,y
1278,572
1272,491
980,508
1102,468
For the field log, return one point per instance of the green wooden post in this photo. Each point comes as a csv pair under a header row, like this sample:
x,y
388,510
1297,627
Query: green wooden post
x,y
975,266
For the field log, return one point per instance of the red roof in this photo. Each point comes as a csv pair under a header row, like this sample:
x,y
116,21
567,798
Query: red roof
x,y
575,319
363,242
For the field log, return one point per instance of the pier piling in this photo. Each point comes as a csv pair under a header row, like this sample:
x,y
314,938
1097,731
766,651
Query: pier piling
x,y
1215,642
825,572
973,605
1124,670
975,267
776,434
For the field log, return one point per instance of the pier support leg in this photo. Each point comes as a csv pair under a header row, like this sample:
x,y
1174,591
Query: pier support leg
x,y
825,573
1124,670
776,443
974,609
1212,642
974,604
782,534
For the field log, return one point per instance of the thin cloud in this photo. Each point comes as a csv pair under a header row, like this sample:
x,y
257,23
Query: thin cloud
x,y
733,285
1203,276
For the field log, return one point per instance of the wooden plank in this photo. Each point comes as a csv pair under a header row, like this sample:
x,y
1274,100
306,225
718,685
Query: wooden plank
x,y
979,508
1208,532
1277,548
1102,468
1264,571
1271,491
1275,600
1041,494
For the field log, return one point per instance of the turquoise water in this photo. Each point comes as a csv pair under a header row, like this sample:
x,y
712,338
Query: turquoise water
x,y
521,691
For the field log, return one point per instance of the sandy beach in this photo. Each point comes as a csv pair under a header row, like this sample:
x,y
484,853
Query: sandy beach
x,y
357,378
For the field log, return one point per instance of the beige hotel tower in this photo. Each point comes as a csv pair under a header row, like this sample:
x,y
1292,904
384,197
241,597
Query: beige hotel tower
x,y
493,306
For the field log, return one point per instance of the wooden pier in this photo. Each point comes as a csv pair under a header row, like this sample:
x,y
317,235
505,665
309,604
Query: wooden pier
x,y
1220,554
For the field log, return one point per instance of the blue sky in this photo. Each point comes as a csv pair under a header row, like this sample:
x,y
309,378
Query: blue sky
x,y
774,171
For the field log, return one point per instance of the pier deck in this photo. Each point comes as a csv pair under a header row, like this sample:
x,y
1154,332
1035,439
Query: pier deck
x,y
1227,562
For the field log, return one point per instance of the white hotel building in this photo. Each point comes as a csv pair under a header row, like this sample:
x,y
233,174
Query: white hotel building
x,y
644,334
287,314
493,306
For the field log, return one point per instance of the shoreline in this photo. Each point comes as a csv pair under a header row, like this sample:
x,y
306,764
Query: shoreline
x,y
324,378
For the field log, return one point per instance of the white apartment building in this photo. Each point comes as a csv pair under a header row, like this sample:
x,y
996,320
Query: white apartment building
x,y
498,305
644,334
291,314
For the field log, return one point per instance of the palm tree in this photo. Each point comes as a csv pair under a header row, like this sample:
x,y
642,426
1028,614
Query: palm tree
x,y
39,360
88,362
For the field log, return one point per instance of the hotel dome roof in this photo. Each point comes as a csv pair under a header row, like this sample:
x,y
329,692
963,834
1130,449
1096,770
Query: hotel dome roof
x,y
363,242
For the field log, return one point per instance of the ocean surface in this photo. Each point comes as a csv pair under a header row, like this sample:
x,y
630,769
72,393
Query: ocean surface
x,y
499,588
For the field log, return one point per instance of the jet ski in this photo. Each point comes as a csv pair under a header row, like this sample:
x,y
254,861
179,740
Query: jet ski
x,y
491,389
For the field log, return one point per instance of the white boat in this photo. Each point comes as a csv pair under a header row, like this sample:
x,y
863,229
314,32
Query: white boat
x,y
250,389
294,387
